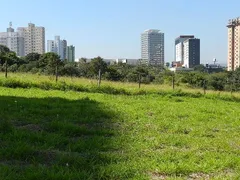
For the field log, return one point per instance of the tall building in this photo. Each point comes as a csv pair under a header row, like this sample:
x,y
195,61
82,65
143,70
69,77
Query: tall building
x,y
57,46
191,52
233,44
64,47
34,39
70,53
152,47
179,48
50,46
13,40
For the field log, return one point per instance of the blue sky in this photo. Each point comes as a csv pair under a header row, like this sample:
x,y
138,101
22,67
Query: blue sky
x,y
112,28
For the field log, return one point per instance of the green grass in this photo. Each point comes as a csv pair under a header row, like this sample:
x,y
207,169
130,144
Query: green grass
x,y
25,80
88,135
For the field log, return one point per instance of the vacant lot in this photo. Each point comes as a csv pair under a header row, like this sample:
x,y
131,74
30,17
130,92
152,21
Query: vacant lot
x,y
54,135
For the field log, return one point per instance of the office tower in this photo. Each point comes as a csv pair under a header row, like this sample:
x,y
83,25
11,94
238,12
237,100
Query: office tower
x,y
152,47
71,53
179,48
191,52
57,46
233,44
13,40
34,39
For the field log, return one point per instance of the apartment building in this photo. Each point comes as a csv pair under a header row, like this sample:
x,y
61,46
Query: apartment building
x,y
233,44
58,46
13,40
34,38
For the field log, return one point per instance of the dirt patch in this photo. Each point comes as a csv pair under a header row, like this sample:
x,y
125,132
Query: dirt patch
x,y
227,173
199,176
157,176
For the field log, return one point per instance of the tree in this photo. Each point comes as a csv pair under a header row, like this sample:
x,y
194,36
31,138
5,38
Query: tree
x,y
83,60
199,68
139,74
50,63
218,81
70,69
83,67
32,57
167,64
97,64
4,51
113,74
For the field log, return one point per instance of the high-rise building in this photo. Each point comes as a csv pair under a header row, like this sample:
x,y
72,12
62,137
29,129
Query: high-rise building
x,y
191,53
179,48
13,40
152,47
71,53
34,39
50,46
64,47
233,44
57,46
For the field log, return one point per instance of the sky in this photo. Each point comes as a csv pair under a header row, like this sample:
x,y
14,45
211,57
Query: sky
x,y
112,28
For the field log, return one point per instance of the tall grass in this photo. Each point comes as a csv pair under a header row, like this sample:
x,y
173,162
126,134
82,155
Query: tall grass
x,y
24,80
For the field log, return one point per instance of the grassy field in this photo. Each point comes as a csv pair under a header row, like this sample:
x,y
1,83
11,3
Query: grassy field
x,y
26,80
58,135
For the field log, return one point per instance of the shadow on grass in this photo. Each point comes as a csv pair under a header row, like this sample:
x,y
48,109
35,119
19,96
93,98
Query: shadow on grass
x,y
55,138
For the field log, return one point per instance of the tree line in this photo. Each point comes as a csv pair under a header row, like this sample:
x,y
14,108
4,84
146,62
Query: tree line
x,y
50,64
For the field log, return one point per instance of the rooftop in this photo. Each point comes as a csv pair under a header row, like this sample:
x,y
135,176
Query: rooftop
x,y
152,31
234,22
185,36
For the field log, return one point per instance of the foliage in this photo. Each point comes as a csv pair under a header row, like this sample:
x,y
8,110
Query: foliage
x,y
199,68
70,69
48,62
97,64
113,74
218,81
32,57
3,54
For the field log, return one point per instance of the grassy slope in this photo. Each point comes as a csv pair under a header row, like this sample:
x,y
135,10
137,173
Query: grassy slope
x,y
68,135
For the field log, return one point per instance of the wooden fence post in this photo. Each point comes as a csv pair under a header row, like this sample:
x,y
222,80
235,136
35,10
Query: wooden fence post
x,y
99,77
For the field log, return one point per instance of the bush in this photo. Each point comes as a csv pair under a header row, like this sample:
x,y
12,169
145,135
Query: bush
x,y
218,81
13,68
12,83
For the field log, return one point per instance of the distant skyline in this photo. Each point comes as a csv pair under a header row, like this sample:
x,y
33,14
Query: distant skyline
x,y
112,29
